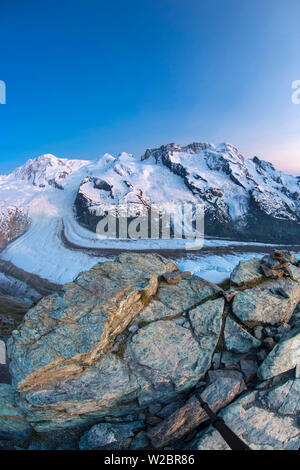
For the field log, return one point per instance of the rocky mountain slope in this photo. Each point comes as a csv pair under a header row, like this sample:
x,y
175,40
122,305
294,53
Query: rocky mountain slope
x,y
47,170
13,223
114,359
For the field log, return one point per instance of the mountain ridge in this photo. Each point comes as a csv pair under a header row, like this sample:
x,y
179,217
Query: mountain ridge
x,y
244,199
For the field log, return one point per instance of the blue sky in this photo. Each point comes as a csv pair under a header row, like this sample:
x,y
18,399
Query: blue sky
x,y
86,77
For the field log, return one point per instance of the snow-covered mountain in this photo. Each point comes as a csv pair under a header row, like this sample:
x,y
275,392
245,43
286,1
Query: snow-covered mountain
x,y
244,199
47,170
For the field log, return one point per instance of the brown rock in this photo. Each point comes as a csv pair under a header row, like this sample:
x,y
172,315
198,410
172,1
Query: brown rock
x,y
176,276
269,343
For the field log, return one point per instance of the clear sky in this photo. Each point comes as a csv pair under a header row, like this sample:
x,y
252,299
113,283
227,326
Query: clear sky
x,y
86,77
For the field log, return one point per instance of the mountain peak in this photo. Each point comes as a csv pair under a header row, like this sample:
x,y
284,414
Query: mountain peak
x,y
47,170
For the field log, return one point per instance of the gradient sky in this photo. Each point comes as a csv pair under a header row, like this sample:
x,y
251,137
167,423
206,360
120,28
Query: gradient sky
x,y
86,77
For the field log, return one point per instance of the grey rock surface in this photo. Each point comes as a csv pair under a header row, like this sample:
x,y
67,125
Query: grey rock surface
x,y
247,272
237,339
261,428
283,357
12,423
76,358
265,304
225,386
108,436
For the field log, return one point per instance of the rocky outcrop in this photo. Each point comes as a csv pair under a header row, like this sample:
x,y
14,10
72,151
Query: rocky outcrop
x,y
81,358
47,170
247,273
13,223
18,293
115,360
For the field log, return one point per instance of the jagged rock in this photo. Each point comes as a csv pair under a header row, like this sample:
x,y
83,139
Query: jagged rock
x,y
237,339
108,436
265,304
153,420
247,273
230,294
12,423
216,361
226,385
171,407
271,301
283,357
261,355
75,360
122,343
276,265
249,369
284,399
282,330
264,420
155,408
13,223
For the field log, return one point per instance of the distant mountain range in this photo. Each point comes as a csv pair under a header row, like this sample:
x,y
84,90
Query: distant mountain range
x,y
244,199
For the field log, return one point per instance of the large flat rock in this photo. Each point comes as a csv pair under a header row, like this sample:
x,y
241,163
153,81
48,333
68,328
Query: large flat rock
x,y
113,341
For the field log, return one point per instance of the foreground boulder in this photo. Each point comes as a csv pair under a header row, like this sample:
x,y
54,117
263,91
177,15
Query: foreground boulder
x,y
114,341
